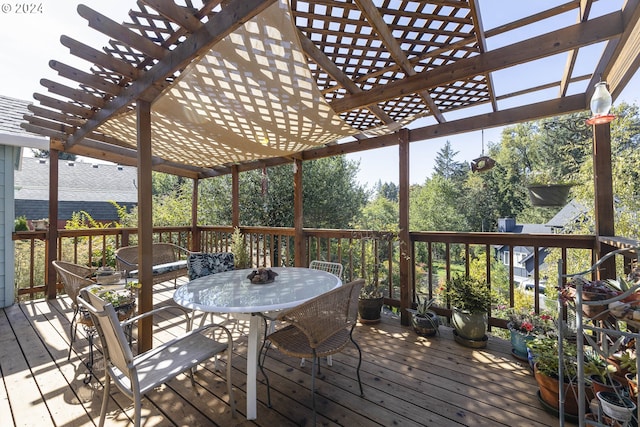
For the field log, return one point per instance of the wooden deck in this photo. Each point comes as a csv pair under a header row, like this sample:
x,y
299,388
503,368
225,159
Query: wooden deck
x,y
408,381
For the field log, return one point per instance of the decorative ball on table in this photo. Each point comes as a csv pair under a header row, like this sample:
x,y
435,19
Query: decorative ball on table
x,y
262,275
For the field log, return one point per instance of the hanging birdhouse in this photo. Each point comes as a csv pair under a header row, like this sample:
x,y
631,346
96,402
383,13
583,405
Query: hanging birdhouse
x,y
482,164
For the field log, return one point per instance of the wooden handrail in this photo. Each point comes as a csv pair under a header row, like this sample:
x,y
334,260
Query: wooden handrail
x,y
356,250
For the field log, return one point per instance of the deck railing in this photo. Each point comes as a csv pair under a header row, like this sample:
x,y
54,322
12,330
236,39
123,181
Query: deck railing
x,y
434,256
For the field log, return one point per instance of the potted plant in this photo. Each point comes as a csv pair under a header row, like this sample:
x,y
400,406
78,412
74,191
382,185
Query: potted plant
x,y
122,300
616,406
592,290
470,299
628,365
601,373
546,191
424,320
546,362
370,301
524,325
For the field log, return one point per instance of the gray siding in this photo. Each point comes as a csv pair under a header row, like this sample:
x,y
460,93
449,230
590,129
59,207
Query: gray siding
x,y
7,273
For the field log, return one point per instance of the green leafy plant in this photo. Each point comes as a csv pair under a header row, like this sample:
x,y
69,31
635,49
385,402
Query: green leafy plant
x,y
20,224
109,257
628,361
468,294
115,298
241,257
371,290
546,356
595,365
423,308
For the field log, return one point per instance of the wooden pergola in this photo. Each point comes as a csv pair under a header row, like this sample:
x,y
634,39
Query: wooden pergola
x,y
157,96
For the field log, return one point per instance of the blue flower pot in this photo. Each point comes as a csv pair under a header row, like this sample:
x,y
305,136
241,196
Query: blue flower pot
x,y
519,343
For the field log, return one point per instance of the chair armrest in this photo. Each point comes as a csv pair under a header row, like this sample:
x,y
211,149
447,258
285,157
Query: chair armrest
x,y
180,249
124,261
214,326
157,310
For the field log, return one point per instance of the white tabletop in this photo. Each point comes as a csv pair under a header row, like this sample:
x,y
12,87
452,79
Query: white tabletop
x,y
232,292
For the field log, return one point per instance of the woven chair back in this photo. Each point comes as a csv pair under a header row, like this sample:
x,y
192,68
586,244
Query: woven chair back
x,y
324,316
74,277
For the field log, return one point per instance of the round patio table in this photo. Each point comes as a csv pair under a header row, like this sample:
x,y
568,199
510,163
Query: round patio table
x,y
233,292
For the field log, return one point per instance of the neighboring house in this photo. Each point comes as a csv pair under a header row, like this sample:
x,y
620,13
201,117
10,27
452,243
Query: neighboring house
x,y
523,256
81,187
12,139
572,213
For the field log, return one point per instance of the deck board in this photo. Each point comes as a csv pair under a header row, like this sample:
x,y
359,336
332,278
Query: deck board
x,y
407,380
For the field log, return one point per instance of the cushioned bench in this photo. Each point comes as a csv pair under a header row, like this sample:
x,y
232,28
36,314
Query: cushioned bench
x,y
169,261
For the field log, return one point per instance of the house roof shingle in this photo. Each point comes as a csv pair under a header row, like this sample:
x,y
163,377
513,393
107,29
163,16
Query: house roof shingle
x,y
78,181
11,133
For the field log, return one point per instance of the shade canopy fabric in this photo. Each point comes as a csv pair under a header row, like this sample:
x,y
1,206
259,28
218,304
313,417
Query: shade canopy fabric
x,y
251,97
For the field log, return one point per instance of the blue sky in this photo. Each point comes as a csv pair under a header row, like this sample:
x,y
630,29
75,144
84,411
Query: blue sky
x,y
30,41
382,164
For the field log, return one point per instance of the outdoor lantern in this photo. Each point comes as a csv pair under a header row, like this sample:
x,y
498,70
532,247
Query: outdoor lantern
x,y
600,105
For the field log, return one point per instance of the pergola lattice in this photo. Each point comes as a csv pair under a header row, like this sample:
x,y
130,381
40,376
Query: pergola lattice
x,y
375,66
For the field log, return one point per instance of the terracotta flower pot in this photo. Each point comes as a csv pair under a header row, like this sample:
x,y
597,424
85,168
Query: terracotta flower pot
x,y
597,384
594,312
550,390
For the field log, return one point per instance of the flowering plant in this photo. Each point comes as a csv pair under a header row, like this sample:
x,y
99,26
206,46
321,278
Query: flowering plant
x,y
529,322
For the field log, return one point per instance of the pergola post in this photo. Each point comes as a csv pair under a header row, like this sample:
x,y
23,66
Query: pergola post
x,y
195,231
603,195
145,223
299,244
52,231
403,221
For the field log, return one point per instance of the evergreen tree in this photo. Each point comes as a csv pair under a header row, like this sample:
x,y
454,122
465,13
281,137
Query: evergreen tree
x,y
446,166
388,190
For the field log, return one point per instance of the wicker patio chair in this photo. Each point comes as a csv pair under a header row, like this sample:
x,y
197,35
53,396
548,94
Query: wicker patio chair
x,y
74,277
136,375
319,327
333,268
